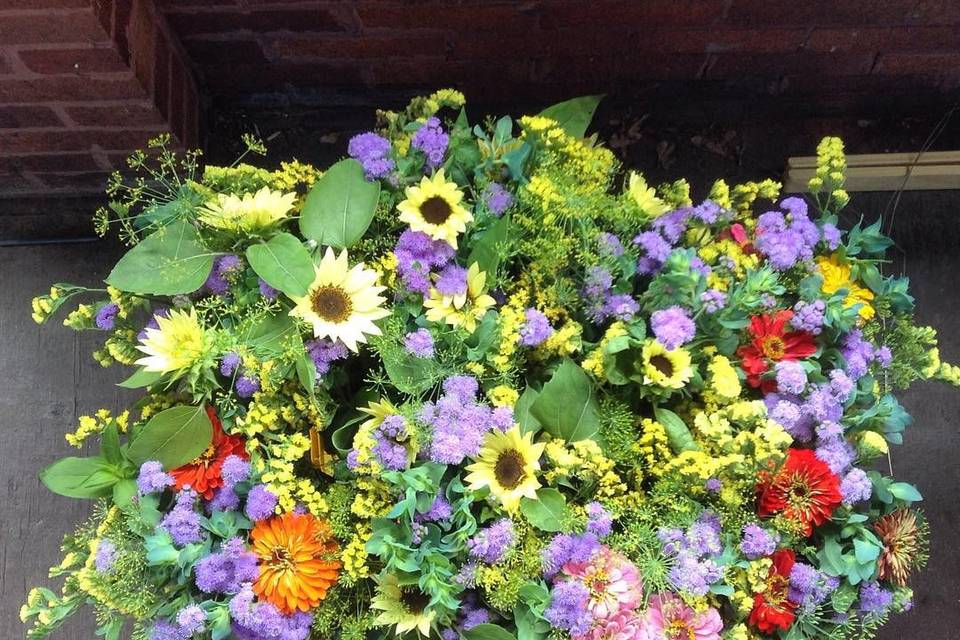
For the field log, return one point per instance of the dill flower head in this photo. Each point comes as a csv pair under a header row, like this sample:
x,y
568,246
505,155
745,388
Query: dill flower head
x,y
434,208
663,367
403,605
252,212
343,302
507,464
177,343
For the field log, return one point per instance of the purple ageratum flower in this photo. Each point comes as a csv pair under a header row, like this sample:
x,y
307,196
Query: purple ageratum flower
x,y
829,430
261,503
227,570
234,470
419,343
709,212
152,478
373,152
884,356
266,290
490,544
823,405
229,363
105,557
106,316
459,423
536,328
791,377
224,499
224,270
263,621
855,487
473,614
452,281
183,522
808,587
808,316
389,447
673,224
874,599
432,140
599,520
621,307
858,354
841,386
497,199
655,252
417,254
163,630
152,323
830,235
693,575
568,608
610,245
247,385
564,548
713,300
713,485
596,289
672,326
837,454
463,388
757,542
191,620
440,510
325,352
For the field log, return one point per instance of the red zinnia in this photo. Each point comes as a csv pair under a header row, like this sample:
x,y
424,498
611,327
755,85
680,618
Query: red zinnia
x,y
772,343
803,490
203,474
772,609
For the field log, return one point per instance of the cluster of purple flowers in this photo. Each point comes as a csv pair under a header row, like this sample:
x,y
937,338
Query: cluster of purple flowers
x,y
227,570
859,354
491,543
390,448
263,621
822,404
713,300
266,290
234,471
672,326
601,302
599,520
417,256
188,622
246,384
610,245
809,587
874,599
497,199
654,252
261,503
106,316
808,316
789,238
452,281
373,152
472,613
419,343
152,478
432,140
183,522
105,557
536,328
439,511
757,542
791,377
693,552
568,547
325,352
225,269
161,312
568,608
459,423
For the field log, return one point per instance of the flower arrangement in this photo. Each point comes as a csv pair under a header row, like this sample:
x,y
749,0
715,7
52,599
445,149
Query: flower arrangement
x,y
479,382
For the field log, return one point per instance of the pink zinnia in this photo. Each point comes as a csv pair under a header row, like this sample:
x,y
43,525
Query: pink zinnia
x,y
671,618
613,581
623,625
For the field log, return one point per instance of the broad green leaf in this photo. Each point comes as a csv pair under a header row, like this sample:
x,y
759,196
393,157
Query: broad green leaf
x,y
173,437
521,411
340,206
306,372
567,405
110,445
678,434
905,491
140,378
169,261
574,115
864,551
548,512
80,477
268,335
487,248
409,374
284,263
487,631
123,492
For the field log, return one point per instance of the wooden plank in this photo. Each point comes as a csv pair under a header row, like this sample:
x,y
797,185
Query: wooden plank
x,y
884,159
884,178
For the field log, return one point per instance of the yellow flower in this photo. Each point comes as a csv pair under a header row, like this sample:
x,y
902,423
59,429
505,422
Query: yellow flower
x,y
252,212
836,276
178,342
723,378
670,369
342,303
646,197
402,605
507,464
433,207
462,310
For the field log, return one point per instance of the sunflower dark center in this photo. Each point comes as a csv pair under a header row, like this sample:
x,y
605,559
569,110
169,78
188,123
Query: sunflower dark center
x,y
331,303
662,364
435,210
509,469
414,600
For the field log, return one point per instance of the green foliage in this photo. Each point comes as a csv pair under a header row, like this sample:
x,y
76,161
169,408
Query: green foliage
x,y
340,206
574,115
548,512
567,406
173,437
171,260
283,263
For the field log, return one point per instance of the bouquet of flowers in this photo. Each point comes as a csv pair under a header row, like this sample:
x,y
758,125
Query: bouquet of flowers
x,y
479,382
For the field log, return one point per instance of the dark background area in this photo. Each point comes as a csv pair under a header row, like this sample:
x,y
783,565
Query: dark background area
x,y
695,88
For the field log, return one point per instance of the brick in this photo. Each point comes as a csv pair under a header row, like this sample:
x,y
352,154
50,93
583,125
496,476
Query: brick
x,y
239,79
5,67
12,5
175,113
884,39
191,117
49,162
54,89
161,91
928,64
935,12
75,25
349,47
631,13
493,17
14,182
120,23
27,141
90,60
223,50
103,10
141,34
92,181
224,20
776,65
14,117
130,114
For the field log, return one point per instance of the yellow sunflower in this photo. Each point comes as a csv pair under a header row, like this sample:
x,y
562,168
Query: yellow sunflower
x,y
836,276
403,605
342,303
646,196
507,464
461,310
252,212
434,208
665,368
176,344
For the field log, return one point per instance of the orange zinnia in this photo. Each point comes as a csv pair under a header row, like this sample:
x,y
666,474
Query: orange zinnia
x,y
203,474
295,569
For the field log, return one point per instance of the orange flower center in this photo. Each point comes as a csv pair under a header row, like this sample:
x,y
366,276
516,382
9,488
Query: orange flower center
x,y
773,347
776,591
679,630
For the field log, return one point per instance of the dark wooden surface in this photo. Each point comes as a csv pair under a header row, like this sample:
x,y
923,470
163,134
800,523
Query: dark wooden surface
x,y
48,379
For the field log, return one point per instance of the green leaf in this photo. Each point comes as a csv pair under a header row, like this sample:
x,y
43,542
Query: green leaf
x,y
306,372
123,492
574,115
141,378
173,437
521,411
268,335
80,477
548,512
487,631
169,261
678,434
567,405
487,247
340,206
408,373
905,491
284,263
864,551
110,445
